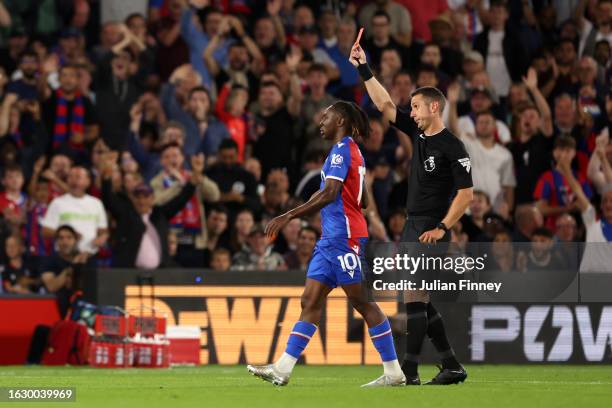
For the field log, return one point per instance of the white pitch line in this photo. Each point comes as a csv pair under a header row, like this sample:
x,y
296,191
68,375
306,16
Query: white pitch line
x,y
541,382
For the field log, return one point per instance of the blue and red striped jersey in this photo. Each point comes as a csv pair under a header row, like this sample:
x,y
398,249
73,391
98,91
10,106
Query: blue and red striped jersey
x,y
343,217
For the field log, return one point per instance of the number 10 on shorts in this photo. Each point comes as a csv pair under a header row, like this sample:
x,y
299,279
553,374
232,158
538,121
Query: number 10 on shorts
x,y
349,262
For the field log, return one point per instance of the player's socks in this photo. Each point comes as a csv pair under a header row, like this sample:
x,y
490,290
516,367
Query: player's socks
x,y
437,334
298,340
382,337
416,328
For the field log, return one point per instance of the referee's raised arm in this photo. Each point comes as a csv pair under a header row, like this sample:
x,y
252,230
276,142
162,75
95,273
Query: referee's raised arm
x,y
377,92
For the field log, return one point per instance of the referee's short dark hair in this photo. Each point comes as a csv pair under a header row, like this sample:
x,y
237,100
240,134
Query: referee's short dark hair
x,y
431,94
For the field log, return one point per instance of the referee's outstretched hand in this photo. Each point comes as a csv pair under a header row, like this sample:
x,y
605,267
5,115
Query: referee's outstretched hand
x,y
357,55
432,236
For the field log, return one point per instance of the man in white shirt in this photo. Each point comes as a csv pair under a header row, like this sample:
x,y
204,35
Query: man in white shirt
x,y
597,255
492,164
500,44
84,213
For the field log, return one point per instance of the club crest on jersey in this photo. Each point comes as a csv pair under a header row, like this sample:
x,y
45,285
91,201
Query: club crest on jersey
x,y
466,163
336,160
430,164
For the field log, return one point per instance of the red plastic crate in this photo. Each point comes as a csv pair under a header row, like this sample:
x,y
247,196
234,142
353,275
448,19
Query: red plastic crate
x,y
110,326
111,354
146,325
151,353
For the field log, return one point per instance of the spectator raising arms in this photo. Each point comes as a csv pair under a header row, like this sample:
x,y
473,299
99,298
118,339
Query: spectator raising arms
x,y
141,237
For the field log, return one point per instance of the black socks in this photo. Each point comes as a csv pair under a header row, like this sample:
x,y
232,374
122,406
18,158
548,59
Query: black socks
x,y
416,328
437,334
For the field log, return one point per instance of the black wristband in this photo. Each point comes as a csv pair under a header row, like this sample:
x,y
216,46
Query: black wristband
x,y
364,71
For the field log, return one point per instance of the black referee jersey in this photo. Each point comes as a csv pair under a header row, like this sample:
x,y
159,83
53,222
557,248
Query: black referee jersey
x,y
440,166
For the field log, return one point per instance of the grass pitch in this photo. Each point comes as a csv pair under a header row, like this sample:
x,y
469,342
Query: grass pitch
x,y
318,387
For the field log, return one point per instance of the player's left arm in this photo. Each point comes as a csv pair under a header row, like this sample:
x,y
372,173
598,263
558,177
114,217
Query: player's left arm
x,y
317,201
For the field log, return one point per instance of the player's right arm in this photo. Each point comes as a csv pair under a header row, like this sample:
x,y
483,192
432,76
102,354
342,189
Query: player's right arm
x,y
377,92
317,201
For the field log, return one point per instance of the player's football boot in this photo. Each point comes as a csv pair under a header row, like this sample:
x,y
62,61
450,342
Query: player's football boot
x,y
386,381
269,373
448,376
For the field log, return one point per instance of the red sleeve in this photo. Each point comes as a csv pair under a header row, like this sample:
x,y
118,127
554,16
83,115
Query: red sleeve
x,y
220,105
542,189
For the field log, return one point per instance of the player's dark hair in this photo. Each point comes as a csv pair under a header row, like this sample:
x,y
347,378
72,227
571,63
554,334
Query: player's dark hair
x,y
356,120
431,94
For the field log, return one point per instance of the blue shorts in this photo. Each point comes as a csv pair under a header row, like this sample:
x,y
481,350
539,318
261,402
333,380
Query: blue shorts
x,y
337,261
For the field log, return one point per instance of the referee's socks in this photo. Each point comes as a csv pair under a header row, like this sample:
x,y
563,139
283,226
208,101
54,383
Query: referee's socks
x,y
437,335
416,328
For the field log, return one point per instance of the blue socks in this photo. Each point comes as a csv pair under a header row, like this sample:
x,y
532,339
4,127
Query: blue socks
x,y
383,340
299,338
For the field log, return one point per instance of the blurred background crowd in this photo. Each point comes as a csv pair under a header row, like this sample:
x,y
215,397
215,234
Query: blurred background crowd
x,y
158,133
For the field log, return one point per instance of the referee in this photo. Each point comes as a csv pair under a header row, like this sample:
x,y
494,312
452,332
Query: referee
x,y
440,169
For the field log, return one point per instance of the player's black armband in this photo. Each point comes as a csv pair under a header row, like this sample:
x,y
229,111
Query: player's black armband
x,y
364,71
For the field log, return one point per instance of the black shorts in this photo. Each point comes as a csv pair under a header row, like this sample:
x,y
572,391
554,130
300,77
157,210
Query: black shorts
x,y
414,228
417,225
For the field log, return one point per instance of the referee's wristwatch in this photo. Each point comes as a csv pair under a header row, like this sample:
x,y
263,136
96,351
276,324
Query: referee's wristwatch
x,y
442,226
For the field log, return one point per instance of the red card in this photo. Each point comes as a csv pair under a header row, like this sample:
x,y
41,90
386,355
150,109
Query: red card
x,y
359,36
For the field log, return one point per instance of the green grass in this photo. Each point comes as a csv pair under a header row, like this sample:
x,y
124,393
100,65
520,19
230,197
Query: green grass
x,y
318,387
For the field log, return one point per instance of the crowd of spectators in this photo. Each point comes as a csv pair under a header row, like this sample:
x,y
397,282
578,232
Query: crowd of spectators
x,y
158,133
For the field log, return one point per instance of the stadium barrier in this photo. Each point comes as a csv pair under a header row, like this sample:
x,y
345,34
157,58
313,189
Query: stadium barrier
x,y
246,317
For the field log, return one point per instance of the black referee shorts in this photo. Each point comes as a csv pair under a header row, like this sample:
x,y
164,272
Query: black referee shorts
x,y
414,228
417,225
